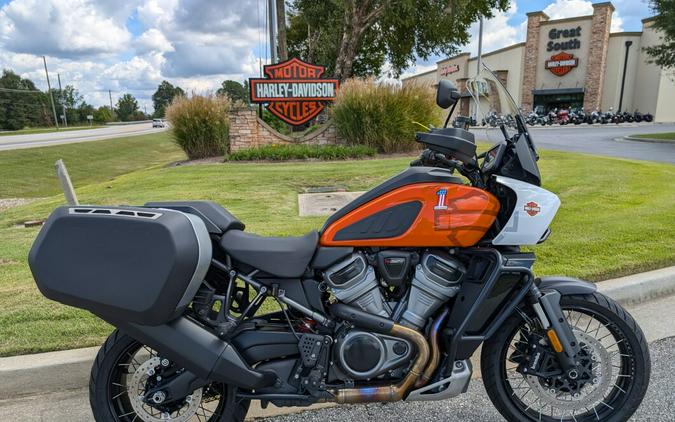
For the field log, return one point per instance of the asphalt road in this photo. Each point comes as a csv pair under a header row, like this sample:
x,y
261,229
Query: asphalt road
x,y
72,136
599,139
659,405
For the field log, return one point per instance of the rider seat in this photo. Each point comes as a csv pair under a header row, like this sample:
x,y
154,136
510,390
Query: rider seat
x,y
285,257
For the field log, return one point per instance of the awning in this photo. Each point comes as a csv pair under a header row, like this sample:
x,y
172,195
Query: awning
x,y
558,91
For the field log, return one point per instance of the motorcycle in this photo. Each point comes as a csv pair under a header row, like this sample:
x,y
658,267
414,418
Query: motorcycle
x,y
647,117
563,116
637,116
594,117
388,302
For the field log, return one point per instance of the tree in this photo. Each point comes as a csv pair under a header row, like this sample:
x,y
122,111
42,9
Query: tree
x,y
21,104
358,37
67,101
234,90
163,96
281,30
127,107
664,22
103,114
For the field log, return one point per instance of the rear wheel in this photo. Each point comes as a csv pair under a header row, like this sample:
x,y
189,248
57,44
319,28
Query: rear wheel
x,y
123,369
614,356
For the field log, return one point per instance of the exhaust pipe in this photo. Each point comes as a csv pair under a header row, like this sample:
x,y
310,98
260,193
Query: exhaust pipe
x,y
435,351
198,351
393,392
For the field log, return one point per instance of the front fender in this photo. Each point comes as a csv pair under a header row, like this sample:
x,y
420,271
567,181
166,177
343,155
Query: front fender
x,y
566,285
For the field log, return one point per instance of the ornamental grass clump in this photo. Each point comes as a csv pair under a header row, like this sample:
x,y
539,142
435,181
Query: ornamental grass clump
x,y
384,116
200,124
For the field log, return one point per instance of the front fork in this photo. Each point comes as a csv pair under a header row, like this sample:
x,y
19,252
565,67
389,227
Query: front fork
x,y
546,305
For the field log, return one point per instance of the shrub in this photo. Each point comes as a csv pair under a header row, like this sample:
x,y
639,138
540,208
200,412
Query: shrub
x,y
200,124
301,151
382,116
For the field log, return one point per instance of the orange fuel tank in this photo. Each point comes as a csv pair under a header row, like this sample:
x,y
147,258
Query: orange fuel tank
x,y
416,215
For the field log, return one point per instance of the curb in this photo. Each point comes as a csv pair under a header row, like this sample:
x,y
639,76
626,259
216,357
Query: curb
x,y
42,373
648,140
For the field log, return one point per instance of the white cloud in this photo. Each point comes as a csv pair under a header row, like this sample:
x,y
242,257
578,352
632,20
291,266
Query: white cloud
x,y
152,41
497,32
570,8
561,9
62,28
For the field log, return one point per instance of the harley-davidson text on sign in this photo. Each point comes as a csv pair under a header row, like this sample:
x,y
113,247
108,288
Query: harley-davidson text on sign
x,y
294,90
560,64
449,70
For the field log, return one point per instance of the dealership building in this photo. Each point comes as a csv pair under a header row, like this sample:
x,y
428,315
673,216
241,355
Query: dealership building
x,y
573,62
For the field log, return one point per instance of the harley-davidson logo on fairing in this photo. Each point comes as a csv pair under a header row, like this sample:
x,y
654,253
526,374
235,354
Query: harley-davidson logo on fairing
x,y
532,208
293,90
560,64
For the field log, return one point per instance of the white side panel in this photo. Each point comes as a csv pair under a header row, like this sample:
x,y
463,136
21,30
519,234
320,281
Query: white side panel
x,y
534,211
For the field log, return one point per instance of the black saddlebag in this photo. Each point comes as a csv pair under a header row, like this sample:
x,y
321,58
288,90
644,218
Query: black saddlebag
x,y
140,265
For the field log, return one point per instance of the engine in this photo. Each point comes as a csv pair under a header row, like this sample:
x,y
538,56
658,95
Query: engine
x,y
396,284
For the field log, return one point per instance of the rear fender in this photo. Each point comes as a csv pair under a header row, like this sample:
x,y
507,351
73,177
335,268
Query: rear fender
x,y
566,285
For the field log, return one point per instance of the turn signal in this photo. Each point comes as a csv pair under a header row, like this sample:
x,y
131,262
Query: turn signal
x,y
553,339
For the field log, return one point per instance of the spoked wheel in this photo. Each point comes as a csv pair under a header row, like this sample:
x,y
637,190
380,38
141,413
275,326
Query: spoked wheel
x,y
123,371
613,373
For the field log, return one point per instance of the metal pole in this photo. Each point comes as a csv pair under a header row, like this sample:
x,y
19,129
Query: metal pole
x,y
65,118
49,88
623,78
271,7
112,110
66,184
480,45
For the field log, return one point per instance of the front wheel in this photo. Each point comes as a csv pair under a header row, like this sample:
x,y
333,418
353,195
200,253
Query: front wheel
x,y
124,369
613,354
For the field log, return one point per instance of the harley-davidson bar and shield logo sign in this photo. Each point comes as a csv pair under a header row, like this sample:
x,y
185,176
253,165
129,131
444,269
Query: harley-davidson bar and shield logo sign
x,y
294,91
560,64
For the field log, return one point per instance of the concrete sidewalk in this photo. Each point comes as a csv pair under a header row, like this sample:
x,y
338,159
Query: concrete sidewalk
x,y
647,295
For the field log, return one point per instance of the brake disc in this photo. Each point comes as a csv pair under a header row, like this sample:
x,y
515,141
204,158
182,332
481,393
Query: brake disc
x,y
589,394
147,413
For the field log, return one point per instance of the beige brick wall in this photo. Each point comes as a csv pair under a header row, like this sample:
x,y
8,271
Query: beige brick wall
x,y
248,131
531,61
597,55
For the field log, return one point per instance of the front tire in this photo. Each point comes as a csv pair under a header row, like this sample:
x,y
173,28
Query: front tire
x,y
111,389
617,351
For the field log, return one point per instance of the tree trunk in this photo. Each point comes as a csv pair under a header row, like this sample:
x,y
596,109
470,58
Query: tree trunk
x,y
281,30
357,20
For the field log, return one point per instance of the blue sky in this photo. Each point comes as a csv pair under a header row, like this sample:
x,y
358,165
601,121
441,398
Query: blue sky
x,y
132,45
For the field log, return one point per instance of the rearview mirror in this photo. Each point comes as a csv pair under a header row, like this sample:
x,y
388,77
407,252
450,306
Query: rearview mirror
x,y
446,94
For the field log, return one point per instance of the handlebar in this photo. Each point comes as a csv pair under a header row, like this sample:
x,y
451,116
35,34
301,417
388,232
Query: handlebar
x,y
431,158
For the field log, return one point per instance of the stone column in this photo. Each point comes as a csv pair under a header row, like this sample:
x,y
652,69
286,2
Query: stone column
x,y
531,62
597,55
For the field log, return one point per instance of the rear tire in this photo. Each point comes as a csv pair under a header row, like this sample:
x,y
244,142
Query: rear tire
x,y
109,403
623,397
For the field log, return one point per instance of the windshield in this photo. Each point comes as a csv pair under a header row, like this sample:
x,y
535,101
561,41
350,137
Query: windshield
x,y
491,106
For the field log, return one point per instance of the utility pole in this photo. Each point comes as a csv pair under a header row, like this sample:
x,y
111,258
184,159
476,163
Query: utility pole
x,y
480,45
65,118
281,30
270,15
49,87
112,110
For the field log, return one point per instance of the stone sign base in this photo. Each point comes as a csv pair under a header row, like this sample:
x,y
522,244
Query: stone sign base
x,y
247,130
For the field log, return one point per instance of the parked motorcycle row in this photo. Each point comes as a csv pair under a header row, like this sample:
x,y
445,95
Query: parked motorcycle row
x,y
578,116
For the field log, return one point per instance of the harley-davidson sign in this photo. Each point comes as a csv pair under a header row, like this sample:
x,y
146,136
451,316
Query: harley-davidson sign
x,y
294,91
560,64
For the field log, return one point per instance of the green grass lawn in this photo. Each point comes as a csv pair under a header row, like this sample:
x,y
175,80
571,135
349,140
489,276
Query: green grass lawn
x,y
666,136
33,130
29,173
616,218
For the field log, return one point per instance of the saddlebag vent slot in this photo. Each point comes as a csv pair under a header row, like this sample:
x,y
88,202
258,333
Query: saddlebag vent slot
x,y
128,264
118,212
